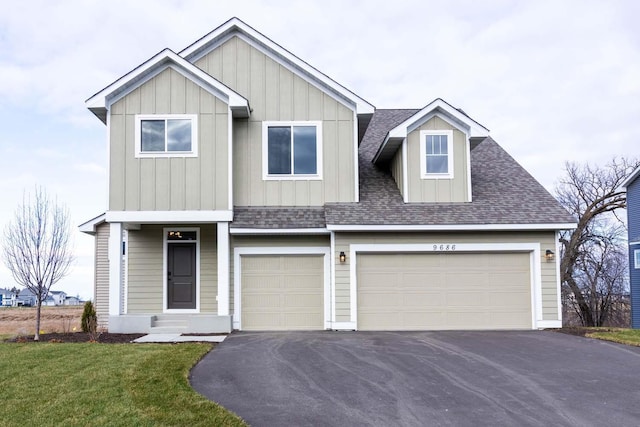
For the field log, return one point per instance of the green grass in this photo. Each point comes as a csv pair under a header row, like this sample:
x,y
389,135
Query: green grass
x,y
104,384
619,335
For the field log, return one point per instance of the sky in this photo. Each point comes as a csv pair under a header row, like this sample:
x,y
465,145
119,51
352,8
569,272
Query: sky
x,y
554,81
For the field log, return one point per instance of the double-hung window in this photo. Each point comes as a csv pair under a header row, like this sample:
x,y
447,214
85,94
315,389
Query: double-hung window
x,y
172,135
436,154
636,258
292,150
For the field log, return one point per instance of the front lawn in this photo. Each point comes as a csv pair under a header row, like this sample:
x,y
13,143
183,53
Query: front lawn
x,y
622,336
99,384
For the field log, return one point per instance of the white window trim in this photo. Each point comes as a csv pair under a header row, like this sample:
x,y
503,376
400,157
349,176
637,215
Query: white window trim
x,y
165,249
146,154
636,259
265,151
291,250
423,154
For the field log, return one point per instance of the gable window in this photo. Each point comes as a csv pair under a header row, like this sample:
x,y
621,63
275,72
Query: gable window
x,y
636,258
173,135
436,154
292,150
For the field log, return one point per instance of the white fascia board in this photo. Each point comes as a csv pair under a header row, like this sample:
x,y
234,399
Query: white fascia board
x,y
628,180
89,227
169,217
152,67
453,227
254,231
201,47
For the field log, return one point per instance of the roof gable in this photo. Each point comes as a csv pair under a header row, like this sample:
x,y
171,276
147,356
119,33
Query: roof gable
x,y
439,108
630,179
101,101
237,28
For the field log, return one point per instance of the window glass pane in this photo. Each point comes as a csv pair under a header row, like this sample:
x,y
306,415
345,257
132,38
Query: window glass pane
x,y
437,164
152,135
429,144
636,254
279,148
304,150
178,135
443,144
181,235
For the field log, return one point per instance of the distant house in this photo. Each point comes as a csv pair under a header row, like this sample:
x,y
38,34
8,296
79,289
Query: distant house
x,y
71,300
58,297
26,298
632,186
8,298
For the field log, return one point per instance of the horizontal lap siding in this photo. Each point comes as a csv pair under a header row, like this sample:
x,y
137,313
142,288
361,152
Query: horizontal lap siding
x,y
342,270
101,291
146,275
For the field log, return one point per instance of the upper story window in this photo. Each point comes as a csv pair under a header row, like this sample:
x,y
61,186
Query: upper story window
x,y
436,154
172,135
292,150
636,258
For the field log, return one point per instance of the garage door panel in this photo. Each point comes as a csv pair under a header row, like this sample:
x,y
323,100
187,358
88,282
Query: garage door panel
x,y
443,291
282,292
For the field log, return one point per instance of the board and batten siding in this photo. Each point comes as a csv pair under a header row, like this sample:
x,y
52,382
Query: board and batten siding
x,y
438,190
169,183
146,270
342,270
277,94
397,170
101,286
633,216
272,241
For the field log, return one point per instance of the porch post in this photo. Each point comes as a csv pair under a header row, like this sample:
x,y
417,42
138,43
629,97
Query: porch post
x,y
223,268
115,268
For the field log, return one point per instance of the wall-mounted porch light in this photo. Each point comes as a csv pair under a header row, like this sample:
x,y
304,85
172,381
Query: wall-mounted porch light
x,y
549,255
343,257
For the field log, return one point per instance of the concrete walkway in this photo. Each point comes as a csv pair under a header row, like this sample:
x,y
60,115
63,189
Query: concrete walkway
x,y
169,338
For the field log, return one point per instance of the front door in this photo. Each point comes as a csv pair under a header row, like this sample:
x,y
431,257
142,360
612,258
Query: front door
x,y
181,276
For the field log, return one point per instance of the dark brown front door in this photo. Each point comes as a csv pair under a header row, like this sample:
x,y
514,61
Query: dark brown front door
x,y
181,276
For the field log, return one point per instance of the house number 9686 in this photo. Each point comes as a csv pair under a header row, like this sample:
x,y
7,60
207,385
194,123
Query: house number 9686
x,y
444,247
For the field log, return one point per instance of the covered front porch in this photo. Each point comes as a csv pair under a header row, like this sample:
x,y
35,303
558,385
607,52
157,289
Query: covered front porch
x,y
168,278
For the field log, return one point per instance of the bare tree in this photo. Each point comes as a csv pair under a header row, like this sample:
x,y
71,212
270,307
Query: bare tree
x,y
37,246
591,254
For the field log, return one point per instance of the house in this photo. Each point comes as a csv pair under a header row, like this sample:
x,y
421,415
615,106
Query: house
x,y
249,191
58,297
8,298
632,187
71,300
26,298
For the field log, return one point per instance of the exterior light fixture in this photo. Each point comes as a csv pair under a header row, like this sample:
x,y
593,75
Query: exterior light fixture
x,y
343,257
549,255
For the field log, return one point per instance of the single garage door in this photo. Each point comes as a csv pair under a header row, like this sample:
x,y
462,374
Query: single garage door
x,y
418,291
282,292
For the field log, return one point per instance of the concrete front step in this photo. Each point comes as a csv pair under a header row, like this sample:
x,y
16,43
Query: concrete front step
x,y
168,330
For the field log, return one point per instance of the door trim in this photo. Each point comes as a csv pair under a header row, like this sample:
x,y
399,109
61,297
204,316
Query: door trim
x,y
165,243
446,247
301,250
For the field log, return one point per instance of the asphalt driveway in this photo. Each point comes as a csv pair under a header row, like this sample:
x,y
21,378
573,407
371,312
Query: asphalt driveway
x,y
422,378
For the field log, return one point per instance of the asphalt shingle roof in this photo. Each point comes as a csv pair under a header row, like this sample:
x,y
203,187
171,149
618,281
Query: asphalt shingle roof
x,y
503,192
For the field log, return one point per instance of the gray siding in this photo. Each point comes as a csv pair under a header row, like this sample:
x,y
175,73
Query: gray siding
x,y
275,93
438,190
177,183
146,275
342,271
633,215
101,287
397,170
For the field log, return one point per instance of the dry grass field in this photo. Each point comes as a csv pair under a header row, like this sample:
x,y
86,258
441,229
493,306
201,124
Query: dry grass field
x,y
22,320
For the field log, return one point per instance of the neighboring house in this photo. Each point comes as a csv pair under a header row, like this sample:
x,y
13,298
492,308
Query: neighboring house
x,y
8,298
26,298
49,301
632,186
71,300
248,190
58,297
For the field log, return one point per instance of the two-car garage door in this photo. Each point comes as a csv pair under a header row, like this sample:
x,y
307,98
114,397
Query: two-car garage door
x,y
426,291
